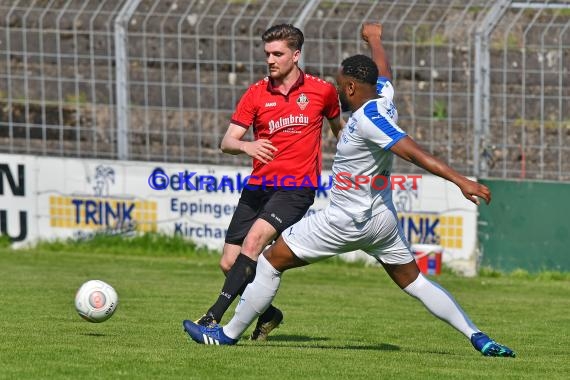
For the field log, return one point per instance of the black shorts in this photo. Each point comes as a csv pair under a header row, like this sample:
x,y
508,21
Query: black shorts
x,y
279,207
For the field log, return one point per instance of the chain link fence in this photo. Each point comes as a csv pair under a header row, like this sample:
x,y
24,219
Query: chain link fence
x,y
482,84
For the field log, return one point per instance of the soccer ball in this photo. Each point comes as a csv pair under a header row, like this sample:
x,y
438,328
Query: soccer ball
x,y
96,301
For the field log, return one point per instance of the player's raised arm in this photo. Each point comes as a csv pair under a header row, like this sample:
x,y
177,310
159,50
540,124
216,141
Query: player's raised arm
x,y
410,151
372,34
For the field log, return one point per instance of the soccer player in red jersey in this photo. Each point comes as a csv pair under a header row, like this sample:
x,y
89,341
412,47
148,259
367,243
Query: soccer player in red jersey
x,y
286,110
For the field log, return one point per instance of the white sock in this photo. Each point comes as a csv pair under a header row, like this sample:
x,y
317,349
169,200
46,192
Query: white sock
x,y
256,298
441,304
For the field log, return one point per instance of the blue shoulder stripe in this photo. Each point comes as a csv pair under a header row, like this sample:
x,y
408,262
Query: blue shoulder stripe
x,y
371,112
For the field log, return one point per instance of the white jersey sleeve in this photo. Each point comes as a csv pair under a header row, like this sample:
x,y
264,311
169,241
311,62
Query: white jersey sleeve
x,y
384,88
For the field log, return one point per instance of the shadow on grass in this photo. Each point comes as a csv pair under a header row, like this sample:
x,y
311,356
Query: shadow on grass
x,y
368,347
283,340
371,347
297,338
93,334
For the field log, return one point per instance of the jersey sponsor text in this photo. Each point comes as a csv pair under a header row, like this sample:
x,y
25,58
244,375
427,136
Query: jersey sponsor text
x,y
288,121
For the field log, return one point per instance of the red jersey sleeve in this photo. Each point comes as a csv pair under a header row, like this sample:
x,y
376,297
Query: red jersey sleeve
x,y
246,109
332,107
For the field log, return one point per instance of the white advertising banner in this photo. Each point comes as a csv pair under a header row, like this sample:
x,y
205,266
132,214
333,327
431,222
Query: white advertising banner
x,y
18,199
43,197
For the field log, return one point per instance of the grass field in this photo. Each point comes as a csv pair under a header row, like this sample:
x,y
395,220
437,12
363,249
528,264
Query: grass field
x,y
342,321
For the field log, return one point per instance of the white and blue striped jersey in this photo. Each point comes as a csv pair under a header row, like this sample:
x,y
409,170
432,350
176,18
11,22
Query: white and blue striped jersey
x,y
363,150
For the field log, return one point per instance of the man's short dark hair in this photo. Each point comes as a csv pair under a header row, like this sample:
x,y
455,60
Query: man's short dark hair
x,y
360,67
285,32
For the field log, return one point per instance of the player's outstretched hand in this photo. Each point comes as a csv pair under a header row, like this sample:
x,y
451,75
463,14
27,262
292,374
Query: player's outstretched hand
x,y
261,150
371,30
473,191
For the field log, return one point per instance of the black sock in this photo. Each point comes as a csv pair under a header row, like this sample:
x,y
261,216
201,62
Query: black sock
x,y
268,314
241,274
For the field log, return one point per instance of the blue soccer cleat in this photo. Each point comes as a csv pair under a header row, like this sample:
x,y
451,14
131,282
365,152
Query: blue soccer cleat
x,y
213,334
489,347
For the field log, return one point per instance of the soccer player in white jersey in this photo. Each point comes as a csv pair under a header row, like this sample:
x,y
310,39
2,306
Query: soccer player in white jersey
x,y
361,217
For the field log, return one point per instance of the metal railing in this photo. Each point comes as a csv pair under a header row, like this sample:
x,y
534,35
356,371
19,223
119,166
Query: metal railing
x,y
482,84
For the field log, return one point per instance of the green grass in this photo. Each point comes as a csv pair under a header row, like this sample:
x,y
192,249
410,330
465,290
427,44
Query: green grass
x,y
150,244
342,321
440,110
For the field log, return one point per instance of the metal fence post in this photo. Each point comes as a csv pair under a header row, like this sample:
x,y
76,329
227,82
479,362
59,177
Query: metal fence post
x,y
121,71
481,91
301,21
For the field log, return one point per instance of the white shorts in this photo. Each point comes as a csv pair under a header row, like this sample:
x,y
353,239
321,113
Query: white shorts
x,y
330,232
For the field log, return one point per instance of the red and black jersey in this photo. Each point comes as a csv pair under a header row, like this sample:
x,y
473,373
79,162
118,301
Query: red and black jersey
x,y
293,123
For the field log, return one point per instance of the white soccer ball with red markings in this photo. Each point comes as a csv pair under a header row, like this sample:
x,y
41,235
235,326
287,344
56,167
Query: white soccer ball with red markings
x,y
96,301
